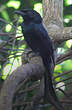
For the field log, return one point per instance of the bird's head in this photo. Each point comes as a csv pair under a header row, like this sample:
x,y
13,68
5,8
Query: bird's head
x,y
30,15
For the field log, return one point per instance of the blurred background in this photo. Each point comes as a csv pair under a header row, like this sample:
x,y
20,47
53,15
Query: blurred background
x,y
7,25
12,41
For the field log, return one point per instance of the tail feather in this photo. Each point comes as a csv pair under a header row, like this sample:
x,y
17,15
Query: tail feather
x,y
50,94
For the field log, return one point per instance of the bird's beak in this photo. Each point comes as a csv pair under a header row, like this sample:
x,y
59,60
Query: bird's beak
x,y
20,13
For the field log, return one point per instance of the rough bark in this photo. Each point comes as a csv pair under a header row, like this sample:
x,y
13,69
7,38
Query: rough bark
x,y
53,12
59,36
31,70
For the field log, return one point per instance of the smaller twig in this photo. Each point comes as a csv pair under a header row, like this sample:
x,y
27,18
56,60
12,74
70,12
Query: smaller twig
x,y
65,102
62,80
38,85
20,104
69,83
3,75
13,44
4,21
21,85
7,49
8,42
64,57
4,59
65,93
29,88
62,74
35,101
7,34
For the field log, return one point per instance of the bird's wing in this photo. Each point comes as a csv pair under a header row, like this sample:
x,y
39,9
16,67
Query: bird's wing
x,y
46,42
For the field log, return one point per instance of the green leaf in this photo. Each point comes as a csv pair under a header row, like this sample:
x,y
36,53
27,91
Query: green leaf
x,y
14,4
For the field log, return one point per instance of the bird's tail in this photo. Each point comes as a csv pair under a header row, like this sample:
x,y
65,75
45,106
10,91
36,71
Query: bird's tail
x,y
50,94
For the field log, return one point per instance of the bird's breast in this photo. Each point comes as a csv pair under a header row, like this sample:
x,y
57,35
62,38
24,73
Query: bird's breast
x,y
27,28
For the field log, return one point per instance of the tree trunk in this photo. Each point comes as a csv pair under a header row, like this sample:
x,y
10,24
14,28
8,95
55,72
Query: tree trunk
x,y
53,12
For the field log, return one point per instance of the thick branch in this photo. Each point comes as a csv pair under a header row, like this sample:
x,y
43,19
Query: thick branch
x,y
60,35
30,70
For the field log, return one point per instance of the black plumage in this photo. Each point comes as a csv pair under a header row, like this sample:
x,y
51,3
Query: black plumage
x,y
39,41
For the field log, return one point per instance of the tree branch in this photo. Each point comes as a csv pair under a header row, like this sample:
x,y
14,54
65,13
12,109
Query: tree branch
x,y
31,71
60,35
64,57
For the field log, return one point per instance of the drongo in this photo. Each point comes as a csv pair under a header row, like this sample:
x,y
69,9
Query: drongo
x,y
36,36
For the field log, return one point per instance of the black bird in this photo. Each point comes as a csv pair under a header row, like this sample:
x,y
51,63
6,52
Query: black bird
x,y
39,41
